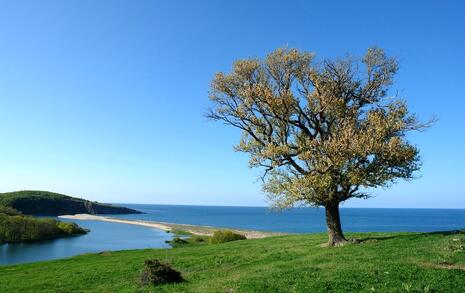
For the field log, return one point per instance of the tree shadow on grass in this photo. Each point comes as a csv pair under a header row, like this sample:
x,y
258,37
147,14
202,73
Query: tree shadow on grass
x,y
387,237
376,238
445,233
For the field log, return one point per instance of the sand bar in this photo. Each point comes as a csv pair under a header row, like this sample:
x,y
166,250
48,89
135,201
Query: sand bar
x,y
169,227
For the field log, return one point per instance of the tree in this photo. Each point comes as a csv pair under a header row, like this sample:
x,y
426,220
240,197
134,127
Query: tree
x,y
323,132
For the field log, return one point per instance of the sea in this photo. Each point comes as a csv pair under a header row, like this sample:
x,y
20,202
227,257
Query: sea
x,y
105,236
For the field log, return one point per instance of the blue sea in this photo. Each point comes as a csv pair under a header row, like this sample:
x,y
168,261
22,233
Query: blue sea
x,y
304,220
106,236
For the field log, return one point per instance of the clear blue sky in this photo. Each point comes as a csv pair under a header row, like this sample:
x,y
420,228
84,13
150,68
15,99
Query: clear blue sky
x,y
105,99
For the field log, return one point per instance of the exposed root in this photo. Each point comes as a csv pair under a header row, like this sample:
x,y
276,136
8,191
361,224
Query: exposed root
x,y
341,243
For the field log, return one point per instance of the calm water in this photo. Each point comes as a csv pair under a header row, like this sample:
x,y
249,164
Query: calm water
x,y
115,236
304,220
104,236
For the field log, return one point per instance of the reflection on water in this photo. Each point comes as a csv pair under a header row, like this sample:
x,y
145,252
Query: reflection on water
x,y
103,236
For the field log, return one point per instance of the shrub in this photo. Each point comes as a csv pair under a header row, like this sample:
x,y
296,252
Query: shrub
x,y
221,236
198,239
70,228
156,272
17,228
8,211
177,240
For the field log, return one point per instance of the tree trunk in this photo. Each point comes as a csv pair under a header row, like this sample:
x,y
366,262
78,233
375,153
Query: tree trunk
x,y
333,221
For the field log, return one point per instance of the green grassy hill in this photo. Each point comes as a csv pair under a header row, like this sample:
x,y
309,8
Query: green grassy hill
x,y
31,202
383,262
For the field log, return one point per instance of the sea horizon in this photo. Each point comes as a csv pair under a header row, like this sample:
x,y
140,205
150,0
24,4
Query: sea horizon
x,y
278,210
301,219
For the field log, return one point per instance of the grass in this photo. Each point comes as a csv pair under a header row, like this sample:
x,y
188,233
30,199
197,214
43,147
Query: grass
x,y
383,262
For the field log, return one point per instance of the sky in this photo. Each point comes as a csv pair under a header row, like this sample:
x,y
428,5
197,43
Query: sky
x,y
106,99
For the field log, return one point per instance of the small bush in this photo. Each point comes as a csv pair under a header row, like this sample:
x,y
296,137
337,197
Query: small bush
x,y
156,273
177,240
222,236
198,239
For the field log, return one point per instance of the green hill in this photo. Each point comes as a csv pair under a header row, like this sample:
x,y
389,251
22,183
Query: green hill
x,y
383,262
31,202
15,227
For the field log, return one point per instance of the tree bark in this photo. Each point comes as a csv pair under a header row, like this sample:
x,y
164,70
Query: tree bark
x,y
333,222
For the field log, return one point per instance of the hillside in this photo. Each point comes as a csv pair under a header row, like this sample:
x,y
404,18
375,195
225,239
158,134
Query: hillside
x,y
15,227
46,203
383,262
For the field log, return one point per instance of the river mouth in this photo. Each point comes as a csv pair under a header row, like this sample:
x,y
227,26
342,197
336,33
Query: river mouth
x,y
103,236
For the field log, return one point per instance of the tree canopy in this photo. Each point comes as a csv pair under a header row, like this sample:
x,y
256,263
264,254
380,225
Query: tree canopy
x,y
322,131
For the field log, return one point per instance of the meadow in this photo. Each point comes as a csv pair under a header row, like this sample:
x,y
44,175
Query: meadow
x,y
382,262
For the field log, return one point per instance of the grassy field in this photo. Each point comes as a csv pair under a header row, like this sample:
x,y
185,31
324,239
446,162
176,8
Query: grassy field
x,y
383,262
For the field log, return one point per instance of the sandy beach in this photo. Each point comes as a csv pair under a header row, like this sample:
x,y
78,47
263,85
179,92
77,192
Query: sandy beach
x,y
169,227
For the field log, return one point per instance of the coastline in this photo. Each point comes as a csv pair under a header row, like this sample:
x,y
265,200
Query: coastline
x,y
169,227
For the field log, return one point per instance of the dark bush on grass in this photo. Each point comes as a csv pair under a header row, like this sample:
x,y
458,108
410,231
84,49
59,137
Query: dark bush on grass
x,y
198,239
177,240
156,273
222,236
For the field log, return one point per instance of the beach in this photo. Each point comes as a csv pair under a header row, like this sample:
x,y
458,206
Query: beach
x,y
170,227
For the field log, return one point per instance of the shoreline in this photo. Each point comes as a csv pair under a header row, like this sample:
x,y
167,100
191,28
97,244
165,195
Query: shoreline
x,y
170,227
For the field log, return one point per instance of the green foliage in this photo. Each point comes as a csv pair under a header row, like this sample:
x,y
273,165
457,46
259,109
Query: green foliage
x,y
188,240
222,236
179,232
8,211
70,228
322,132
382,262
156,272
408,287
8,198
178,240
198,239
15,227
44,203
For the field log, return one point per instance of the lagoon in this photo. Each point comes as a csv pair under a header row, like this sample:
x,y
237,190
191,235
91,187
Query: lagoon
x,y
103,236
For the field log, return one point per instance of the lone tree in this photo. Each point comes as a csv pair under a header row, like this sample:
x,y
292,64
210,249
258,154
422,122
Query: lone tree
x,y
323,132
